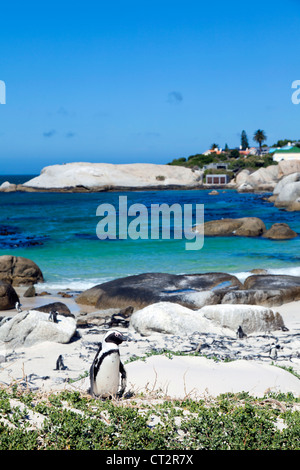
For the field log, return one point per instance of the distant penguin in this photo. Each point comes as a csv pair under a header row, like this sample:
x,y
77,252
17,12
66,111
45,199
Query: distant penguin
x,y
107,366
240,333
273,351
53,316
60,363
18,307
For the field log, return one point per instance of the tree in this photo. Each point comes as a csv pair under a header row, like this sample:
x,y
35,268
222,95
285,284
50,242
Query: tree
x,y
244,141
234,153
214,146
259,137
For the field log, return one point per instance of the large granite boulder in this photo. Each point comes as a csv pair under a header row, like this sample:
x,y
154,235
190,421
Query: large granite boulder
x,y
280,231
287,287
252,318
288,194
59,307
32,327
190,290
8,296
286,167
19,271
264,297
263,179
286,180
243,227
101,176
170,318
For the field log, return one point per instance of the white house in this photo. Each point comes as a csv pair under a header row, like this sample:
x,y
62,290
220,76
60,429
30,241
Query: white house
x,y
290,153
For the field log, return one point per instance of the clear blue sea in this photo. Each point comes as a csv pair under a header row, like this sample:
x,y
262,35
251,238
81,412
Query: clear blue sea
x,y
58,232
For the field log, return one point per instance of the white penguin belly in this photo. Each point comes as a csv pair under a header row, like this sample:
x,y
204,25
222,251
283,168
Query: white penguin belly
x,y
107,380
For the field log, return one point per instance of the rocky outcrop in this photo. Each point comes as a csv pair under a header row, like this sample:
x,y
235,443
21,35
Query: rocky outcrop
x,y
8,296
287,287
289,194
32,327
58,307
286,193
17,271
246,227
263,179
84,176
169,318
280,231
264,297
193,291
243,227
287,167
251,318
190,290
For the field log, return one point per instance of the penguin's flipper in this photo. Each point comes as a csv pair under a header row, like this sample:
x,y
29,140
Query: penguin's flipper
x,y
94,370
123,379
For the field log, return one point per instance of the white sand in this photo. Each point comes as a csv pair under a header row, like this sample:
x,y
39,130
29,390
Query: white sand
x,y
177,377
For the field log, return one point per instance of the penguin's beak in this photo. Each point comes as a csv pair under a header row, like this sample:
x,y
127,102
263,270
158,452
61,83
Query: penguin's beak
x,y
124,338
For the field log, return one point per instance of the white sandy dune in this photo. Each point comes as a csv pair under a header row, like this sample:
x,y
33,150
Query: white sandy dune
x,y
194,377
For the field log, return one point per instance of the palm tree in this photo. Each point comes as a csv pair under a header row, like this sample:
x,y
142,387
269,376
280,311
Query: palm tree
x,y
213,146
260,137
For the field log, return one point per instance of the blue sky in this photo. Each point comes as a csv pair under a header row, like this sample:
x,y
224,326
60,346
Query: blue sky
x,y
143,81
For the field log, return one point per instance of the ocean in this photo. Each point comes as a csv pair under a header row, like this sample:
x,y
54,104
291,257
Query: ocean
x,y
58,232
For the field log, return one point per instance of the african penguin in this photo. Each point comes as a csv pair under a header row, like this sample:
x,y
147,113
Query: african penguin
x,y
18,307
53,316
106,367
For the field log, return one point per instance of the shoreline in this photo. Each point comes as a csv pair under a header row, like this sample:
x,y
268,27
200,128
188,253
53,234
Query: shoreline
x,y
108,188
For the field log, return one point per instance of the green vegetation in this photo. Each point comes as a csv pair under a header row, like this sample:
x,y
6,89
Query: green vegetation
x,y
244,141
232,157
234,161
78,422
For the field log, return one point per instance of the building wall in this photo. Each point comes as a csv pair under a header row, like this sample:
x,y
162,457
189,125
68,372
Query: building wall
x,y
217,179
277,157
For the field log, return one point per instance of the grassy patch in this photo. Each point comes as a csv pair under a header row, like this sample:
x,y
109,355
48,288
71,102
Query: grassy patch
x,y
76,421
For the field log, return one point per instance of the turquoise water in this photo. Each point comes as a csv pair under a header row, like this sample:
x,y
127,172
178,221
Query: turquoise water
x,y
70,254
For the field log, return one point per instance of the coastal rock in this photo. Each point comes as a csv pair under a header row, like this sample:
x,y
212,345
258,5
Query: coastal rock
x,y
294,206
169,318
288,287
213,193
8,296
103,176
291,178
263,179
245,188
190,290
32,327
252,318
280,231
264,297
242,177
19,271
7,187
286,167
58,307
30,292
243,227
288,194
